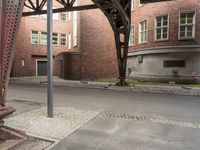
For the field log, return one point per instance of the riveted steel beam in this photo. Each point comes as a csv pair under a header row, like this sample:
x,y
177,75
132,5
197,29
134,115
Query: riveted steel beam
x,y
67,5
11,15
1,53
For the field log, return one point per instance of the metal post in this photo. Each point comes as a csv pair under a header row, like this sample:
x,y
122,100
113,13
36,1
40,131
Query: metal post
x,y
1,53
50,58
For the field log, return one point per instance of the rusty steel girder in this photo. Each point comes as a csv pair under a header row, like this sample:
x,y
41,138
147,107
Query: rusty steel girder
x,y
11,11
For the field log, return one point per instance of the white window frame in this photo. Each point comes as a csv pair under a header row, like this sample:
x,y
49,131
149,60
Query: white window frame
x,y
41,38
32,37
75,28
194,25
63,38
132,5
36,66
155,28
69,16
133,35
139,38
69,41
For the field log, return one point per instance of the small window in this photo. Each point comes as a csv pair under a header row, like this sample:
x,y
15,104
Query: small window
x,y
174,63
43,40
187,25
55,38
63,39
161,27
143,32
35,37
131,39
63,16
23,62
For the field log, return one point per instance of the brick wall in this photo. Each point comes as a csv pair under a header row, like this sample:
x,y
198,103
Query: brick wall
x,y
149,11
98,56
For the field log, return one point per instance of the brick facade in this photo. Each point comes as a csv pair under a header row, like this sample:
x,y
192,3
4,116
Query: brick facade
x,y
93,57
146,61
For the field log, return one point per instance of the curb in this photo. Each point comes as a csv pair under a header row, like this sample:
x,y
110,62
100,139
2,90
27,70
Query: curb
x,y
146,88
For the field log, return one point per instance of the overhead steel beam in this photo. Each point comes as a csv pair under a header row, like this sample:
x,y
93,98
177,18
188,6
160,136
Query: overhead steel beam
x,y
58,10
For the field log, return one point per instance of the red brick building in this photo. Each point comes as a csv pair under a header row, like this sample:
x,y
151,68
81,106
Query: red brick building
x,y
84,46
164,43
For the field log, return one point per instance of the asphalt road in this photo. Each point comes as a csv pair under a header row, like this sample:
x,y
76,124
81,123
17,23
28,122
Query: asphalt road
x,y
168,122
182,108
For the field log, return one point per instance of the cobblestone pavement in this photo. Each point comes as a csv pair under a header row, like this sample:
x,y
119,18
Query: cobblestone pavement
x,y
65,121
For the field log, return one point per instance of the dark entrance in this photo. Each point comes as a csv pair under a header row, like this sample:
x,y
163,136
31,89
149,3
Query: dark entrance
x,y
42,68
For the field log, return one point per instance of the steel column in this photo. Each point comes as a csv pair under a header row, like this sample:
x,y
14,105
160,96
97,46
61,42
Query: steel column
x,y
11,15
50,57
118,13
1,54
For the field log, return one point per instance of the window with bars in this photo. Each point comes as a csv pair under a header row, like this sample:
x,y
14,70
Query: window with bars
x,y
63,39
131,39
35,37
143,32
43,39
187,25
161,27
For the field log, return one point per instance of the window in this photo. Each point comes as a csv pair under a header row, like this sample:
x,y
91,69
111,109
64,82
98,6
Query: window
x,y
131,39
44,15
69,16
55,38
23,62
132,5
143,32
43,38
63,16
55,15
174,63
35,37
75,28
69,41
187,25
161,27
63,39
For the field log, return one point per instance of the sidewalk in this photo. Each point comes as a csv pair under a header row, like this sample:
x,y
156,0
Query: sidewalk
x,y
149,88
